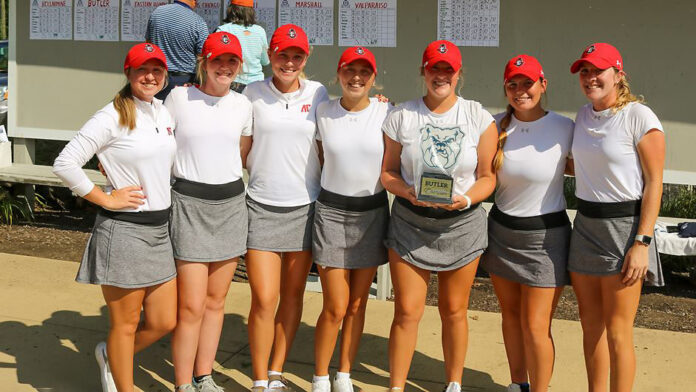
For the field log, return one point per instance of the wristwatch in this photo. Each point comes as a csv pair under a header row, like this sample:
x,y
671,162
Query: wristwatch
x,y
643,239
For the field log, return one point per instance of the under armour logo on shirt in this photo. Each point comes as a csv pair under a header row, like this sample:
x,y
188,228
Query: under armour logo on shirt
x,y
305,108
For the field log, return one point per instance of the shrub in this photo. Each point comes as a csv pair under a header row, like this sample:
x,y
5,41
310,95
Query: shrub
x,y
12,206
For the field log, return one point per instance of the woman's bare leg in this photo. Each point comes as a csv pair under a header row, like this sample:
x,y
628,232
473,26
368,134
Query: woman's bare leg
x,y
263,269
294,270
410,290
509,295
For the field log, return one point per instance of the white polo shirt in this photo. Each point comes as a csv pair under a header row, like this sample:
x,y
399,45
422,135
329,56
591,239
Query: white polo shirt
x,y
607,165
208,130
283,163
142,157
530,182
353,147
453,136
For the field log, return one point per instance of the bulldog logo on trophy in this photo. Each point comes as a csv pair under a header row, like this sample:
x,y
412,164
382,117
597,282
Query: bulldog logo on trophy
x,y
439,150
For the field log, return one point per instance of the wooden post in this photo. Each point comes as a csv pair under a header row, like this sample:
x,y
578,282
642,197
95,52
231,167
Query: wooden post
x,y
25,153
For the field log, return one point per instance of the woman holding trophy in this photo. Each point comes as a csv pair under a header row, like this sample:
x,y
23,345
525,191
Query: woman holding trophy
x,y
438,159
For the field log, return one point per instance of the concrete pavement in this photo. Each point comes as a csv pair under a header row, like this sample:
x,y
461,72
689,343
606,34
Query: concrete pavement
x,y
49,326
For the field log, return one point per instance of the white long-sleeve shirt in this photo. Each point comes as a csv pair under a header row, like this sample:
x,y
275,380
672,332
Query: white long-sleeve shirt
x,y
142,157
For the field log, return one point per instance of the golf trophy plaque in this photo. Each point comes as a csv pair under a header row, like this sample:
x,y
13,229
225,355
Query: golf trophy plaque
x,y
438,150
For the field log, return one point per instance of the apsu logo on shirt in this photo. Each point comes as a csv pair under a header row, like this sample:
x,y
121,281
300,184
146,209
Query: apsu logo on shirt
x,y
305,108
169,131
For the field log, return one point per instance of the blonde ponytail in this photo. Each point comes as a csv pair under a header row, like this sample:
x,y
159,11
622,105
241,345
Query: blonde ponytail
x,y
624,95
502,137
125,107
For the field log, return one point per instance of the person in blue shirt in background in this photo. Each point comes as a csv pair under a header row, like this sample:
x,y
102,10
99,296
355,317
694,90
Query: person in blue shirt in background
x,y
241,21
180,32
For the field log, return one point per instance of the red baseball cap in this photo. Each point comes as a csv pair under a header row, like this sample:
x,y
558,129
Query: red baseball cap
x,y
287,36
442,50
357,53
220,43
523,64
601,55
140,53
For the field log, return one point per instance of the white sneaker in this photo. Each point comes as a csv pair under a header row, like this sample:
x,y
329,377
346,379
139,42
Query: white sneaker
x,y
342,385
453,387
186,388
208,385
514,388
278,383
107,380
321,386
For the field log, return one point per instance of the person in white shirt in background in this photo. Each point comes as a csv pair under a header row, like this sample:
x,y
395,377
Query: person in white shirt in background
x,y
284,182
528,228
351,216
209,217
129,252
431,237
619,154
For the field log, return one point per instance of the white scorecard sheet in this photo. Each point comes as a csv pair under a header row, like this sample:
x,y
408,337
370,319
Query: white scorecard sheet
x,y
469,22
210,11
50,19
315,17
96,20
266,15
134,17
367,23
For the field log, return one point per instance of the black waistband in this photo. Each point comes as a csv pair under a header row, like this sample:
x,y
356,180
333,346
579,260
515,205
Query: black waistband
x,y
538,222
208,191
148,218
436,213
619,209
180,73
353,203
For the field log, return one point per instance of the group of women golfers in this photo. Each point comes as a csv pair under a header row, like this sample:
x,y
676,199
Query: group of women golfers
x,y
176,215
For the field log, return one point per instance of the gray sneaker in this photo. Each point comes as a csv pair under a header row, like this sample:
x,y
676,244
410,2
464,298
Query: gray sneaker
x,y
185,388
278,383
208,385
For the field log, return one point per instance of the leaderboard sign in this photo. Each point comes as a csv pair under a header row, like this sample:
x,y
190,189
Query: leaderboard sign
x,y
360,22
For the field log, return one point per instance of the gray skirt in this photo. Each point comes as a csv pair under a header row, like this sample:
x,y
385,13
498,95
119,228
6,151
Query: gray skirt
x,y
208,230
279,229
127,255
437,244
349,239
535,258
598,247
